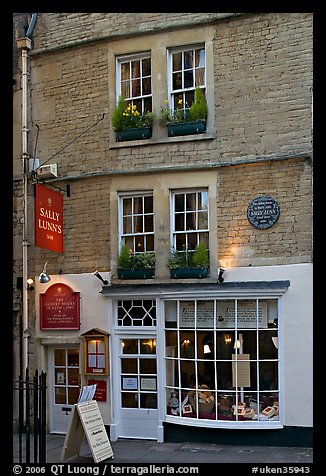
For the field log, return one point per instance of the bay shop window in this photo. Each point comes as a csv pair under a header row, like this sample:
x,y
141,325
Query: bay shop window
x,y
222,362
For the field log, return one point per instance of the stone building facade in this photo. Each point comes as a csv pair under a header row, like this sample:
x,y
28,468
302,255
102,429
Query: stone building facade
x,y
257,143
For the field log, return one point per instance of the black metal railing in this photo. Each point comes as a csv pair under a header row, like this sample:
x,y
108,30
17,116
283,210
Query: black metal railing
x,y
32,417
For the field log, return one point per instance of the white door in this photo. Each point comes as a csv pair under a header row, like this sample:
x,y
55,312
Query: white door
x,y
138,388
63,389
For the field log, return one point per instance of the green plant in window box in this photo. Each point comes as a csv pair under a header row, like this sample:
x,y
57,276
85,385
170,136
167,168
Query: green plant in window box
x,y
129,124
186,120
135,265
189,264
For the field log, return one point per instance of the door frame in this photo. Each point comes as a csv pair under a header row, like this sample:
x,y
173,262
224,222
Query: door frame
x,y
50,359
125,333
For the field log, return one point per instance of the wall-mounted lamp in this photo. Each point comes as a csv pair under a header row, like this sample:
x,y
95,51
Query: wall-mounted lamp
x,y
97,274
44,277
30,284
220,278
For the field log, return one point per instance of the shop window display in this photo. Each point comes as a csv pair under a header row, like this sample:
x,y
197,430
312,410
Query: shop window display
x,y
222,359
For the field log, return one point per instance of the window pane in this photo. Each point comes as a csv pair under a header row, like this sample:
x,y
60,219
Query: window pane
x,y
147,366
130,346
191,221
148,346
125,71
135,85
138,205
125,89
192,241
73,394
60,395
73,376
146,86
127,222
268,376
73,357
148,400
224,376
188,376
205,345
127,206
180,242
200,58
179,201
149,242
148,204
135,69
176,81
190,201
149,223
129,366
59,357
176,61
202,220
199,77
139,244
129,400
147,70
203,201
268,343
179,223
188,59
138,224
171,341
188,79
147,104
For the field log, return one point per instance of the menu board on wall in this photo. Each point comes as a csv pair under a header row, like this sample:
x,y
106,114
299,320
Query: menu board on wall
x,y
205,314
246,314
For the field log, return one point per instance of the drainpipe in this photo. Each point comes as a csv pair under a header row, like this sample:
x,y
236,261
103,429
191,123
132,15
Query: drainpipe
x,y
25,45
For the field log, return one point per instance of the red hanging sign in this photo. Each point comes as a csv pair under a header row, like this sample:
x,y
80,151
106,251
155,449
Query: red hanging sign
x,y
59,308
48,219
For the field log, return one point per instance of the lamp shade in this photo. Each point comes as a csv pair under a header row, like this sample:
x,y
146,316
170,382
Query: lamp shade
x,y
44,277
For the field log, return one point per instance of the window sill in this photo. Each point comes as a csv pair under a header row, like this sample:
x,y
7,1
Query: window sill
x,y
162,140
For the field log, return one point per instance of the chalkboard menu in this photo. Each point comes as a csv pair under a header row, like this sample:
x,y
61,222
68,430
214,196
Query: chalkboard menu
x,y
263,212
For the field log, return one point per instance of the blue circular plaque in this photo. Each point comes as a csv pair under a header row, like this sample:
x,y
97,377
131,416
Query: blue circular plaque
x,y
263,212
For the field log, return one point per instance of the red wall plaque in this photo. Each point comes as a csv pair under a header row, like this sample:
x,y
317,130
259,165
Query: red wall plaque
x,y
100,394
48,219
59,308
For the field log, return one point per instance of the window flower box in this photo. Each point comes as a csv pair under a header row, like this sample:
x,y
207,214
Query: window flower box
x,y
135,265
134,133
189,264
130,124
136,273
185,128
187,273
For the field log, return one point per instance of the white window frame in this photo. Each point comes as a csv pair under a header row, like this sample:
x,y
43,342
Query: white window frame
x,y
183,90
120,217
126,59
201,422
173,233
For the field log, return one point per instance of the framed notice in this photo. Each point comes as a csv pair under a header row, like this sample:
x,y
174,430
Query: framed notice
x,y
241,370
246,315
205,314
129,383
148,383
